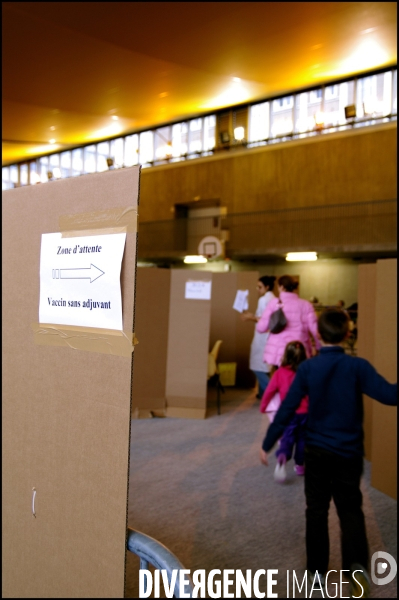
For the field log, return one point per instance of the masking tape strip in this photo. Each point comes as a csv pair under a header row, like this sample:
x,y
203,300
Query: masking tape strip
x,y
90,339
89,232
125,217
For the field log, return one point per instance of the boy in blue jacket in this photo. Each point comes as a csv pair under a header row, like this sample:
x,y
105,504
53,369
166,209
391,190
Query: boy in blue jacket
x,y
334,382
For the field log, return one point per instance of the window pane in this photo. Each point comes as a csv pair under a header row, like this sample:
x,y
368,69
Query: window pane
x,y
366,91
308,110
14,175
384,91
90,159
116,148
337,97
304,113
162,143
374,95
54,165
209,132
332,105
23,174
281,116
34,173
395,92
259,122
131,150
77,162
43,169
146,149
102,155
6,183
195,135
65,163
179,139
54,160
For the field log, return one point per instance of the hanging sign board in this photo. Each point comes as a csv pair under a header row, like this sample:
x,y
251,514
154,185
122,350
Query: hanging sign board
x,y
80,280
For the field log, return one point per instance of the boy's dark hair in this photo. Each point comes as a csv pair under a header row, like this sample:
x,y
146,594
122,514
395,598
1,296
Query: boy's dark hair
x,y
333,325
294,354
268,281
288,283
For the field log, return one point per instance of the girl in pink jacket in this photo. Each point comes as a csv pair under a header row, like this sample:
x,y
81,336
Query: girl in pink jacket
x,y
301,322
294,434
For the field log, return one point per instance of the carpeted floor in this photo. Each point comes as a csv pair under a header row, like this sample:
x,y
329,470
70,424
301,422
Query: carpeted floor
x,y
198,487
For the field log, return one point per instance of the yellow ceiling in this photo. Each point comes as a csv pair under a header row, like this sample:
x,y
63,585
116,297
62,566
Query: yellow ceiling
x,y
69,67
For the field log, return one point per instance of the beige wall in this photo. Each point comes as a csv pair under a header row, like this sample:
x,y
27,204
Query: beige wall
x,y
354,166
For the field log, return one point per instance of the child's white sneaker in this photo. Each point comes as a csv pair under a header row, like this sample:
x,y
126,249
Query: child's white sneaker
x,y
280,473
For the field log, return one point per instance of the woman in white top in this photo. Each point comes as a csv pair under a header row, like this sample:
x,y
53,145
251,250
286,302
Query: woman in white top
x,y
261,369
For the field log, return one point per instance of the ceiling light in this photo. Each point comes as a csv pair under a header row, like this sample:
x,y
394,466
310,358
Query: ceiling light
x,y
368,54
295,256
111,130
52,141
114,118
236,79
193,259
239,133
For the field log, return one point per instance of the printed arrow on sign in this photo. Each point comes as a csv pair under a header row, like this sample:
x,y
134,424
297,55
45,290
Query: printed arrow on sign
x,y
91,273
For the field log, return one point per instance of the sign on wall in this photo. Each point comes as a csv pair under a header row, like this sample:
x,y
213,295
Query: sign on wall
x,y
80,280
198,290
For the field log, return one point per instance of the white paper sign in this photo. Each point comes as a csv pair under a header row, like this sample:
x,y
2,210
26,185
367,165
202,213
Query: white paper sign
x,y
198,290
241,300
80,280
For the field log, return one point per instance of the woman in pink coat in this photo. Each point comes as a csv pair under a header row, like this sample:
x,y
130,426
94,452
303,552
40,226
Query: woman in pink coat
x,y
301,322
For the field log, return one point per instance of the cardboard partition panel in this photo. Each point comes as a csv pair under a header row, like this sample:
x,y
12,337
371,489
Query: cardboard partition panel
x,y
384,434
176,333
367,282
188,343
226,324
151,329
66,411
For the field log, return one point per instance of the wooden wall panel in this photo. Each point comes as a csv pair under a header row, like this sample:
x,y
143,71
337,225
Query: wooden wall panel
x,y
353,166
